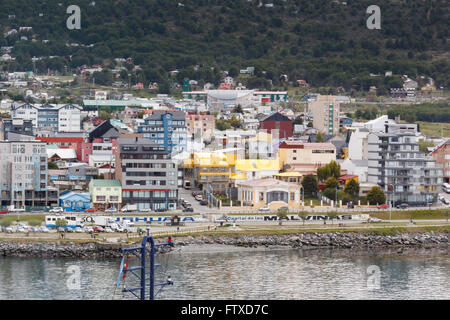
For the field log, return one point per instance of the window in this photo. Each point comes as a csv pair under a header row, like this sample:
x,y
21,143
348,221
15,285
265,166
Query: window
x,y
292,196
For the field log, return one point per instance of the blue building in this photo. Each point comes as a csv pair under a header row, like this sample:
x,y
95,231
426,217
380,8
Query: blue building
x,y
166,128
74,201
48,117
345,121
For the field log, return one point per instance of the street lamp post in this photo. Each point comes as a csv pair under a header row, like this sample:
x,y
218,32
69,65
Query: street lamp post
x,y
335,197
390,199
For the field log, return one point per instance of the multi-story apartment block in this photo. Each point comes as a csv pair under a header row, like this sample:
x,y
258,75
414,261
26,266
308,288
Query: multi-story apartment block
x,y
305,158
167,128
325,111
15,126
404,173
442,156
201,125
63,118
147,173
24,174
210,171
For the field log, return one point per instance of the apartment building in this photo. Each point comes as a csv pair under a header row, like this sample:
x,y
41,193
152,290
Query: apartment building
x,y
305,158
325,111
62,118
24,174
209,170
147,174
167,128
15,126
442,156
201,125
404,173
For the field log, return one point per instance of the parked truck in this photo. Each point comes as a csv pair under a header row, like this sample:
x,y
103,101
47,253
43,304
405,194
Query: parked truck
x,y
129,208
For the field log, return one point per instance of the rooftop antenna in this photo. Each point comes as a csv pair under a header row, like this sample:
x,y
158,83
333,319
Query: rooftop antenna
x,y
146,279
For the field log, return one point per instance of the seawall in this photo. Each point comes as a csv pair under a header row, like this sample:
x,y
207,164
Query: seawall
x,y
348,240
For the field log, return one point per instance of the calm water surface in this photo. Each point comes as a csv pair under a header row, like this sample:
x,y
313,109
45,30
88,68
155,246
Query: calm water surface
x,y
270,274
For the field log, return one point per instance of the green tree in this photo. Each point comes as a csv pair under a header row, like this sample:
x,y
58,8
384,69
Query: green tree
x,y
376,196
310,184
424,144
331,183
319,137
5,222
238,109
302,215
332,215
222,125
52,166
332,169
61,223
352,188
298,120
281,214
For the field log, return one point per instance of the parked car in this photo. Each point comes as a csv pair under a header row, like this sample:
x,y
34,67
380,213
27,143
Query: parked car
x,y
90,210
21,229
78,230
446,201
108,229
61,229
199,197
9,230
98,229
56,210
264,209
36,209
203,202
44,229
145,210
88,229
68,229
402,206
283,208
111,210
188,209
161,210
4,211
375,220
383,206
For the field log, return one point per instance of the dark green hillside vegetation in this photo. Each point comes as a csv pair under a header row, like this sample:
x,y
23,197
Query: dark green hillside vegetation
x,y
323,42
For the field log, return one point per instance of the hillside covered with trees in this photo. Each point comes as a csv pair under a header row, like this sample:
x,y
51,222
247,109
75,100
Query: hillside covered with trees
x,y
323,42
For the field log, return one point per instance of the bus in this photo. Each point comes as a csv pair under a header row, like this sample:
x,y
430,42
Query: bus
x,y
72,221
446,187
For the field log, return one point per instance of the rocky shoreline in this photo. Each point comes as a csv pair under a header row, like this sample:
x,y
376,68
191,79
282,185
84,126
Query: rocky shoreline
x,y
344,240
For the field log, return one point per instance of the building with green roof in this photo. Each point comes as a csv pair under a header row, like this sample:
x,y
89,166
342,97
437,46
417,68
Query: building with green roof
x,y
105,194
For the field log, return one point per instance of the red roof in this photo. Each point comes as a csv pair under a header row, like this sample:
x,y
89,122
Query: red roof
x,y
60,139
306,145
347,176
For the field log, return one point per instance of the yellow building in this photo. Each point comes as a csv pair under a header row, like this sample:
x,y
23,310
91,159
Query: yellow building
x,y
290,176
209,168
305,158
257,168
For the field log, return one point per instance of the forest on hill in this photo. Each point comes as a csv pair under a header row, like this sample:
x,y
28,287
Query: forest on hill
x,y
323,42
